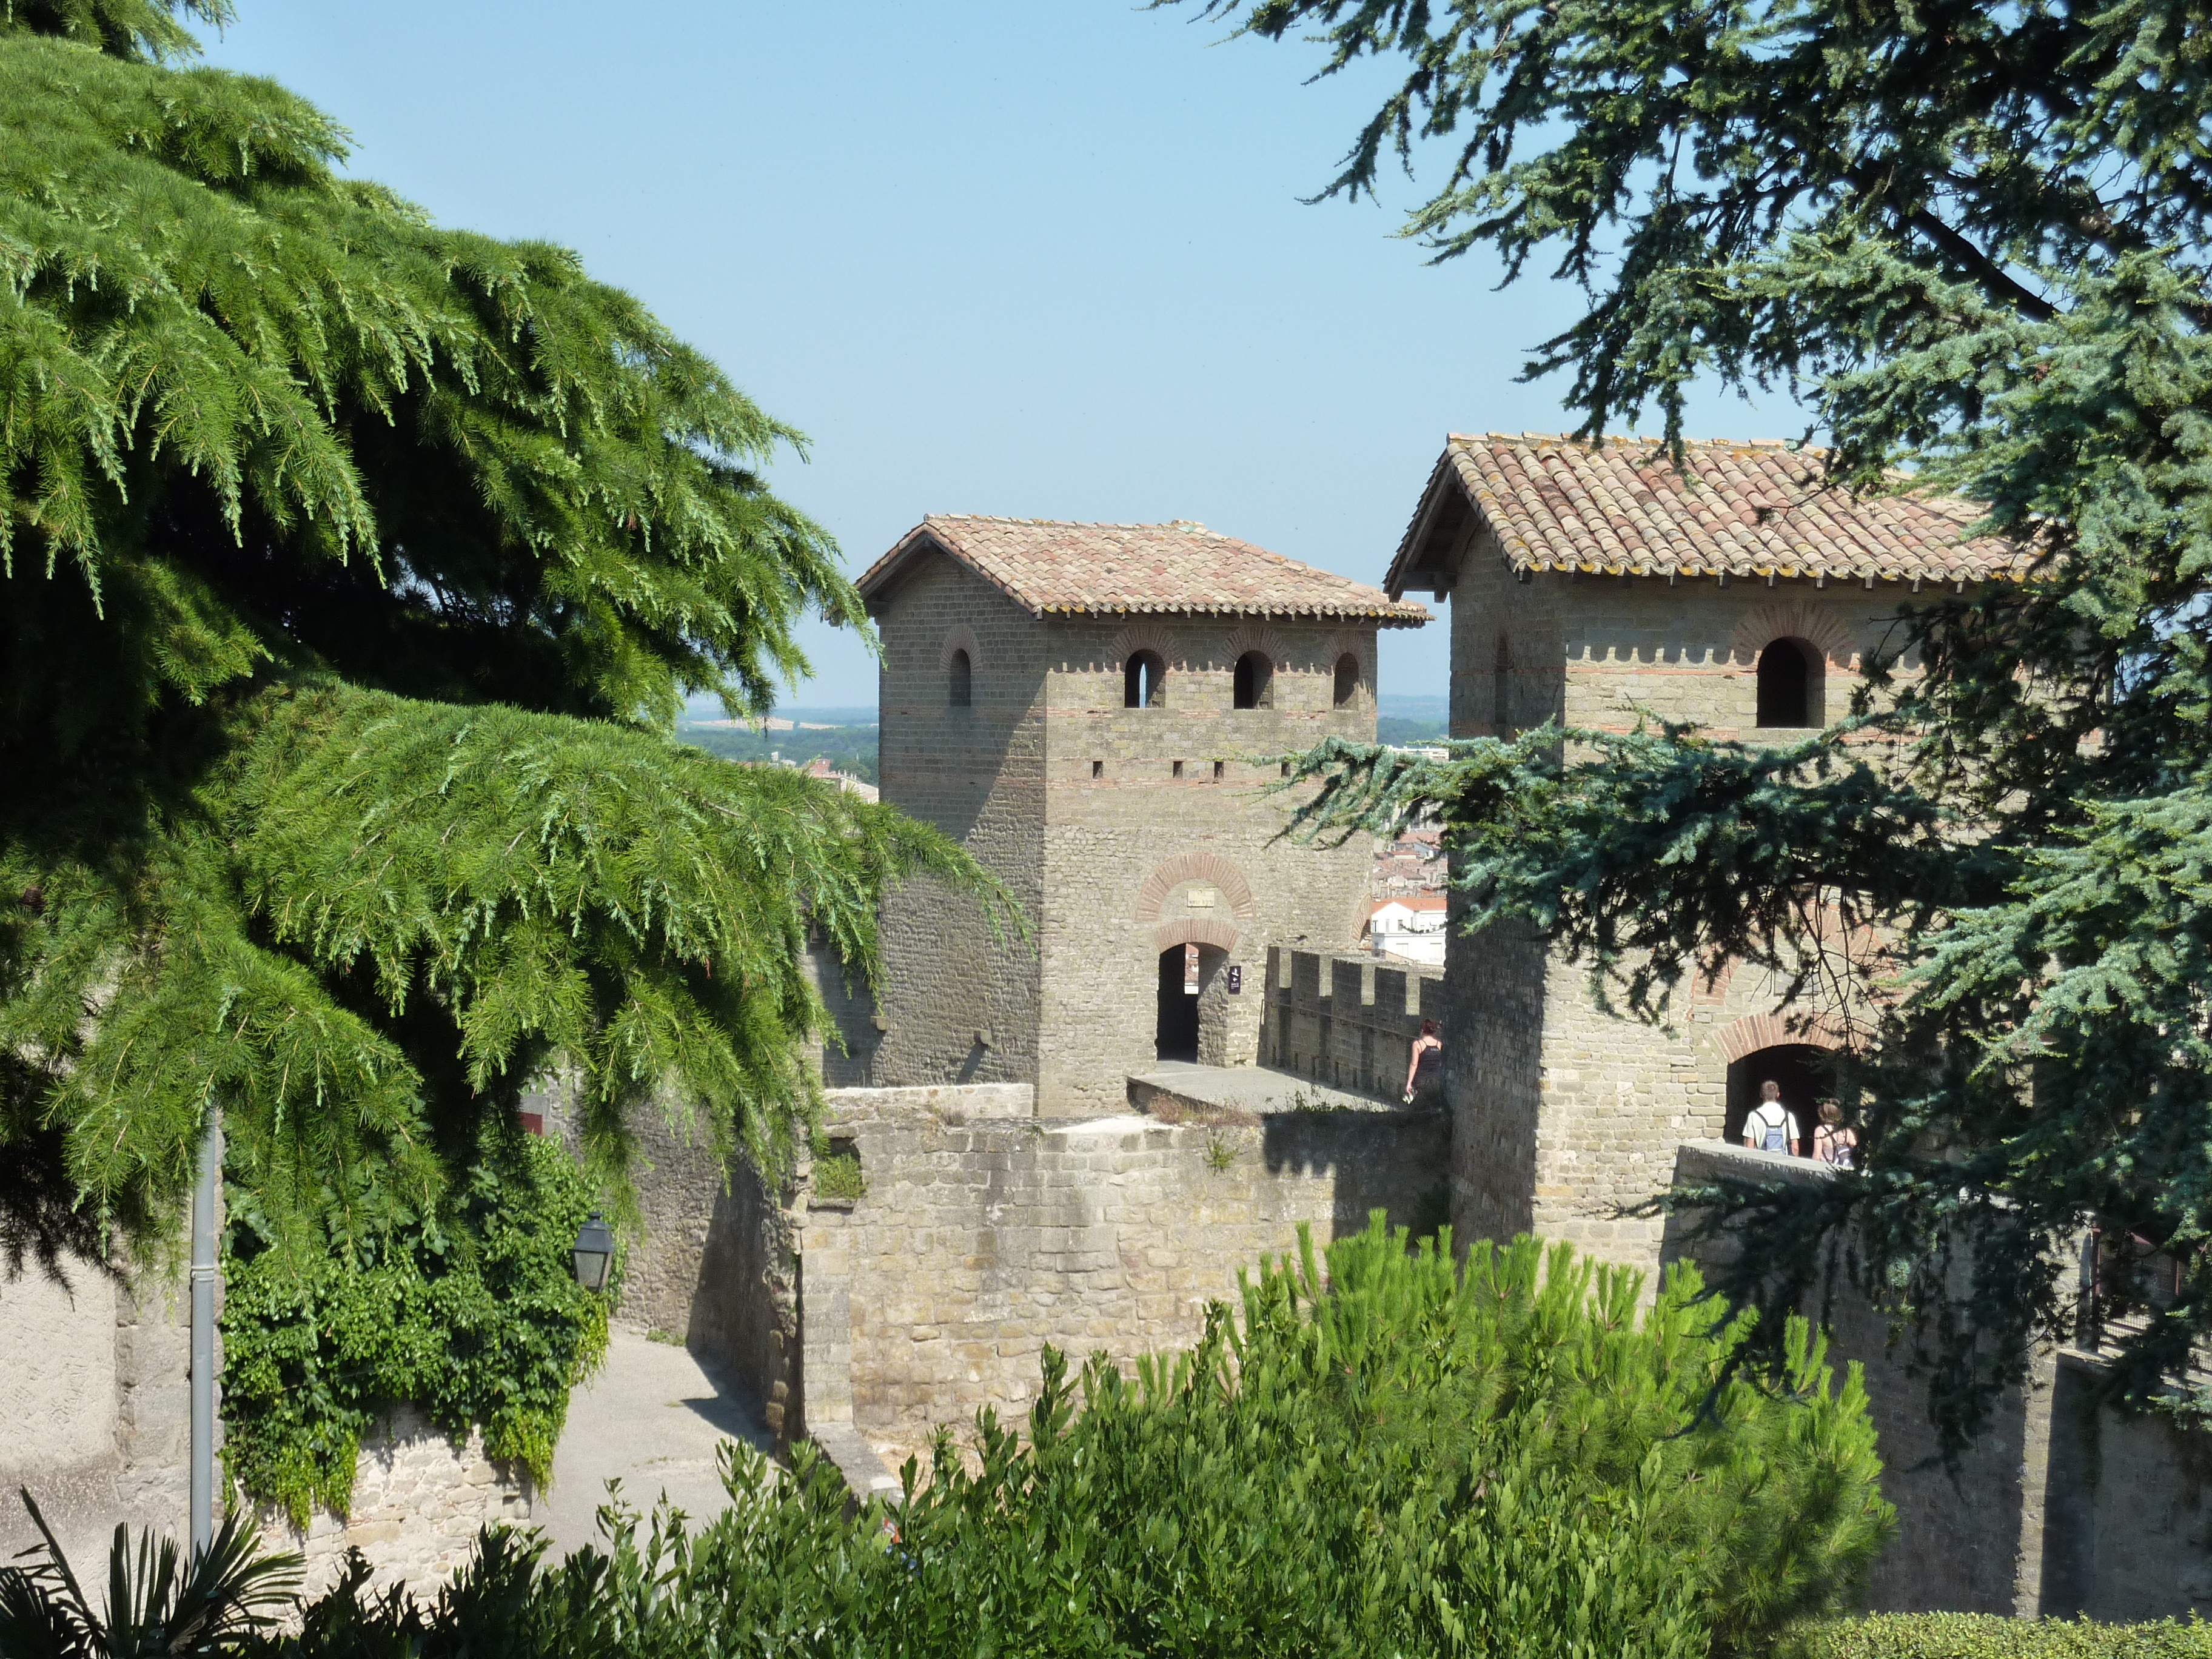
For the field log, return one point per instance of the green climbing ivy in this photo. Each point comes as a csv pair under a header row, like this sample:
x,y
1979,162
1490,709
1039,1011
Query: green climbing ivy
x,y
472,1312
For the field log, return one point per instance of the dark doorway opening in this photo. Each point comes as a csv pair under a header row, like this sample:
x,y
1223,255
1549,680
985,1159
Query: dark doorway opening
x,y
1804,1073
1785,685
1178,1035
1251,681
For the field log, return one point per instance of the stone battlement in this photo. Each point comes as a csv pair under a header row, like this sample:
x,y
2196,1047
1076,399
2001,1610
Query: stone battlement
x,y
948,1102
1347,1021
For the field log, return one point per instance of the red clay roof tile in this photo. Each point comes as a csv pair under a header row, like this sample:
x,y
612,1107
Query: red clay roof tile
x,y
1115,568
1738,508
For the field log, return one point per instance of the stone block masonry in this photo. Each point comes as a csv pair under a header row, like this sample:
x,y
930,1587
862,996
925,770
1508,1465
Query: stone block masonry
x,y
982,1237
95,1384
2060,1508
1127,834
419,1501
1348,1021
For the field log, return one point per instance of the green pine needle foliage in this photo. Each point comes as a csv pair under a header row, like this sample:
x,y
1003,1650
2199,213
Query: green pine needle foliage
x,y
1520,1461
1974,237
353,570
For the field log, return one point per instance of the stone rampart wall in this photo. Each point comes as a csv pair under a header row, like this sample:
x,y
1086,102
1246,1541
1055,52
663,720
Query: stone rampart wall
x,y
95,1391
419,1501
1348,1021
983,1235
95,1385
2056,1509
2128,1518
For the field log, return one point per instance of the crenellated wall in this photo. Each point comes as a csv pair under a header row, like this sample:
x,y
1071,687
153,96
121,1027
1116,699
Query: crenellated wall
x,y
1348,1021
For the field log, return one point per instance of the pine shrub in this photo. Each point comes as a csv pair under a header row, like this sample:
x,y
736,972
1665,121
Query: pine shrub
x,y
1986,1635
1517,1459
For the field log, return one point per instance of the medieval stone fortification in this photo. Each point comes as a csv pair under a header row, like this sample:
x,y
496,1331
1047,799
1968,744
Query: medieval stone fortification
x,y
1596,587
1092,709
1080,1139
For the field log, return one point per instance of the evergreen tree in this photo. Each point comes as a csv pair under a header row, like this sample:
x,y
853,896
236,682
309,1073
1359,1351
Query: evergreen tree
x,y
1973,235
355,569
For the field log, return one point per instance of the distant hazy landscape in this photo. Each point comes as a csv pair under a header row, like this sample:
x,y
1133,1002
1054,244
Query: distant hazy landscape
x,y
846,736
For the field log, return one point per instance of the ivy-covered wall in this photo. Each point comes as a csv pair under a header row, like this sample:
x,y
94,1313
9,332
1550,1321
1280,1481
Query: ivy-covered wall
x,y
468,1312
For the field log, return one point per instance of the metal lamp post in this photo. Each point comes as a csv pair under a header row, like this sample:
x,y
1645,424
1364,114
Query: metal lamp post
x,y
203,1373
594,1253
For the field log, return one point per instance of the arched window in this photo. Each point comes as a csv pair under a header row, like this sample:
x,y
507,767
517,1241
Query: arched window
x,y
1790,685
1143,679
1347,680
959,680
1255,676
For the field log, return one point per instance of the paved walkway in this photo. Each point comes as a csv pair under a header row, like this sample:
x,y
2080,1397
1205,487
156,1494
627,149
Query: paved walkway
x,y
651,1419
1176,1088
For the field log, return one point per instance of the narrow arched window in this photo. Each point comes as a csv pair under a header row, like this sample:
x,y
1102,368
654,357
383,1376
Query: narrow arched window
x,y
1143,679
1254,675
1785,685
959,681
1347,680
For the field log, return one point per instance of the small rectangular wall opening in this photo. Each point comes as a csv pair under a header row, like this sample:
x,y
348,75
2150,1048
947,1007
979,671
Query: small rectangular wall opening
x,y
837,1178
1178,769
1099,769
1220,770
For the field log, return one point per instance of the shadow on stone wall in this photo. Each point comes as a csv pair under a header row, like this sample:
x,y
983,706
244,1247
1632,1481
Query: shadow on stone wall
x,y
2057,1509
744,1311
1396,1161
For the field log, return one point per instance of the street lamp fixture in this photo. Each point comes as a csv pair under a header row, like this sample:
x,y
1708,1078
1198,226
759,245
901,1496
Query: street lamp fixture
x,y
595,1253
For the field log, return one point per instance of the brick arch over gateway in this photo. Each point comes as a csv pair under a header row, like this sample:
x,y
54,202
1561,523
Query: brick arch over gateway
x,y
1798,619
1752,1032
1219,934
1170,873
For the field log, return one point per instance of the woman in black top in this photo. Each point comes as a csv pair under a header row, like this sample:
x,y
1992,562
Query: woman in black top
x,y
1426,1063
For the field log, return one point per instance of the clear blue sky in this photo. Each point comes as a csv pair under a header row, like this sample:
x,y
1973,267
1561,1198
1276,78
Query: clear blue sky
x,y
1046,260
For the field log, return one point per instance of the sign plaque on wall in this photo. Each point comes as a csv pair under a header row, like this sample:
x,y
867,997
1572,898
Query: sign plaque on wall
x,y
1236,979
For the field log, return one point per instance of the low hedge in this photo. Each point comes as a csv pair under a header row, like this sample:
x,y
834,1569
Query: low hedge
x,y
1988,1636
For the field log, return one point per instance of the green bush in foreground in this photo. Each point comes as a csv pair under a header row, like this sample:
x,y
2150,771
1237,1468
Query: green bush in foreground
x,y
1515,1460
1986,1635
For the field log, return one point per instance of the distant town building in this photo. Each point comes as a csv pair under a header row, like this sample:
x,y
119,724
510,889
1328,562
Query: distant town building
x,y
1414,863
820,767
1410,926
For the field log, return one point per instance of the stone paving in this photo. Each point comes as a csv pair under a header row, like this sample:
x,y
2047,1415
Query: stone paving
x,y
651,1419
1175,1092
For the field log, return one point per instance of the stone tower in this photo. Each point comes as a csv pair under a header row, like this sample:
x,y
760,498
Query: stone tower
x,y
1086,707
1590,585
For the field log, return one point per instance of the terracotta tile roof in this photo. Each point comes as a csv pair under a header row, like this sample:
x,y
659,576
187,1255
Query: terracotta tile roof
x,y
1115,568
1745,508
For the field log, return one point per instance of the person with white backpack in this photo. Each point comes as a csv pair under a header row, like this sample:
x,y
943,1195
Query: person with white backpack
x,y
1772,1127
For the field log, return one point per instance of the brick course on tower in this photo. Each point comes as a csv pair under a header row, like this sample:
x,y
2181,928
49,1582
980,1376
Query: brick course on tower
x,y
1592,587
1125,833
